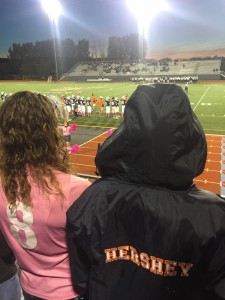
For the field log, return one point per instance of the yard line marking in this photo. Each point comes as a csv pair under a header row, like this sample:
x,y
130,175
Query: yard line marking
x,y
92,139
209,116
201,98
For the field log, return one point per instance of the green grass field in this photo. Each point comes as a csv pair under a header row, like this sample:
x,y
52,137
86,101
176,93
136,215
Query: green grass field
x,y
207,99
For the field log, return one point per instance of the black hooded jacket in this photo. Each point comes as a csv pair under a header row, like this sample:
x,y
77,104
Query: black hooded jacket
x,y
144,231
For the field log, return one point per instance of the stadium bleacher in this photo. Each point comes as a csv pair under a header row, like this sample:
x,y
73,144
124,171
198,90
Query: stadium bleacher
x,y
117,70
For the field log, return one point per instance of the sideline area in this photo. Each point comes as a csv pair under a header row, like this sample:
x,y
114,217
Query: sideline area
x,y
212,179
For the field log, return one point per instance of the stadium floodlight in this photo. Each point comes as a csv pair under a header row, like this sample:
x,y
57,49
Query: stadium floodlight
x,y
147,8
52,8
144,11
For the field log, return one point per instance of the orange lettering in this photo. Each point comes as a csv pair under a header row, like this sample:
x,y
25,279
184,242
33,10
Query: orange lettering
x,y
144,260
123,252
110,255
156,265
185,267
134,256
170,266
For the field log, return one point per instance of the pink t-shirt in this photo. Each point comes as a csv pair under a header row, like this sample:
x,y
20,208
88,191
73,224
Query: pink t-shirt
x,y
37,236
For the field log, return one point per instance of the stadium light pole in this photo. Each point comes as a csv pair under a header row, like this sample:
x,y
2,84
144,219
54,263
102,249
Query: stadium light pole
x,y
56,62
54,10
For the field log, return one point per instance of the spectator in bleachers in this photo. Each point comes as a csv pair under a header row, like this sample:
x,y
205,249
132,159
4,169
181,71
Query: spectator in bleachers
x,y
36,187
144,230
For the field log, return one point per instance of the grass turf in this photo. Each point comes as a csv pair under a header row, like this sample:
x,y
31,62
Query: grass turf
x,y
207,99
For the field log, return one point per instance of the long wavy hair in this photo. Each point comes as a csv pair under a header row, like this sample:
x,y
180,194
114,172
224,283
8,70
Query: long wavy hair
x,y
30,143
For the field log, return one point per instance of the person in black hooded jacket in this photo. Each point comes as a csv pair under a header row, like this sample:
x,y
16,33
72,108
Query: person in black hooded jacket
x,y
9,280
144,231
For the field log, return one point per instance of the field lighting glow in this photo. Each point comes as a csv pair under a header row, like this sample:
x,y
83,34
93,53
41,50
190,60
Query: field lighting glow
x,y
52,8
147,8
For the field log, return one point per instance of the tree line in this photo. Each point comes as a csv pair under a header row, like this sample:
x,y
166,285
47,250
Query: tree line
x,y
46,58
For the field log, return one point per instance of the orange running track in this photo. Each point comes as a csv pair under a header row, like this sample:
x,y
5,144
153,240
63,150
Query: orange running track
x,y
212,179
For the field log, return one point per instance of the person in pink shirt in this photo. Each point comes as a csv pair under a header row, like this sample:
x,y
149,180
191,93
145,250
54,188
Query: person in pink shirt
x,y
36,189
66,134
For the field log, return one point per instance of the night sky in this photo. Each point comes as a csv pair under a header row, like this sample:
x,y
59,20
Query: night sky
x,y
189,27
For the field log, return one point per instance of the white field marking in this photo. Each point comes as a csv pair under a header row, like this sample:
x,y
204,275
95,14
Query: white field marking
x,y
211,170
212,146
210,152
209,116
93,138
214,141
222,130
207,181
206,103
201,98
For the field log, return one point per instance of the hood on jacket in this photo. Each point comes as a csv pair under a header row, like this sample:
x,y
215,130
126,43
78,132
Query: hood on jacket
x,y
160,143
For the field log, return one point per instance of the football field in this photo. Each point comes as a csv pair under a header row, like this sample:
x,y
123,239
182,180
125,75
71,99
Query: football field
x,y
207,99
